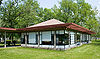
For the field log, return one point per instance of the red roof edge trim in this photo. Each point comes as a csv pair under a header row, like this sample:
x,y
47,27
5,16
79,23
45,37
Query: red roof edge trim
x,y
3,28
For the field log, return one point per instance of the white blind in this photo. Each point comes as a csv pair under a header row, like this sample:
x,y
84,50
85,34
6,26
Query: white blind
x,y
22,35
61,32
46,36
72,38
72,33
32,37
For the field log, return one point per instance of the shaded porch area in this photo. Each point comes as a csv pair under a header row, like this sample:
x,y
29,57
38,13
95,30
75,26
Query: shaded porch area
x,y
8,39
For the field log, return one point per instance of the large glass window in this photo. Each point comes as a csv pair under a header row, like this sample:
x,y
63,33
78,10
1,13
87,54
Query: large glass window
x,y
72,37
23,38
77,37
84,38
46,38
32,38
61,37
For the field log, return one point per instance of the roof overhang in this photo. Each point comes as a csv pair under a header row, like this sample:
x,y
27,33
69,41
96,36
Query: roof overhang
x,y
70,26
80,28
45,28
11,30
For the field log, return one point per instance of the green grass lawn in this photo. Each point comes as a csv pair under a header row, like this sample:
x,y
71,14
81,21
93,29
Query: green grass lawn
x,y
88,51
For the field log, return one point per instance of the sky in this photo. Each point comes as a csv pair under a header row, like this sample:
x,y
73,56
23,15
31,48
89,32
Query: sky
x,y
50,3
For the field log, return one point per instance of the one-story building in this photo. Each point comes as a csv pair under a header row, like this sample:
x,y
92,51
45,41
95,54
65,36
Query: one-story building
x,y
54,34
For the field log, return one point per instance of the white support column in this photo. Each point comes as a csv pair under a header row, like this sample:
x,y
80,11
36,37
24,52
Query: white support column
x,y
5,40
89,38
76,36
26,40
80,38
55,40
38,39
83,37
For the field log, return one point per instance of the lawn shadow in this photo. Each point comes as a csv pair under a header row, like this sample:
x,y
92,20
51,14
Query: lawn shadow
x,y
95,43
95,40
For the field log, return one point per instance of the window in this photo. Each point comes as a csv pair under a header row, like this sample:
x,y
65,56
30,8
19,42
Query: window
x,y
46,38
32,38
72,37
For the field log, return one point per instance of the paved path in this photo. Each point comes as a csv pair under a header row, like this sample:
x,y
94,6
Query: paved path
x,y
10,46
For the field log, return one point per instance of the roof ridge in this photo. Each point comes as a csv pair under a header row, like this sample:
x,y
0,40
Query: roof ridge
x,y
48,22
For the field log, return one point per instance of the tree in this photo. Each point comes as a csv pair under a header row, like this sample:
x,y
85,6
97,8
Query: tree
x,y
30,13
9,11
20,13
0,2
23,13
48,14
77,11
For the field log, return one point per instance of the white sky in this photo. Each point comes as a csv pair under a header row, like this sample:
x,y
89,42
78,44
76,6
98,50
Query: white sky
x,y
51,3
48,3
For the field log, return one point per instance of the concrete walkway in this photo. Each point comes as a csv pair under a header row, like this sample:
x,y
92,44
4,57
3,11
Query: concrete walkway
x,y
11,46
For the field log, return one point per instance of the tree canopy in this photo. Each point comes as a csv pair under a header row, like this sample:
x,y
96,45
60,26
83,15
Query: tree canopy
x,y
23,13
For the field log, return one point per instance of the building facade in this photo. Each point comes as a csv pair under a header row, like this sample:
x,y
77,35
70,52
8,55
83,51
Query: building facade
x,y
55,34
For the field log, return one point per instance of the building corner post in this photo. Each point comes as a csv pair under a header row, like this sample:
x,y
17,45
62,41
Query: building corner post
x,y
76,37
26,40
54,40
38,39
5,40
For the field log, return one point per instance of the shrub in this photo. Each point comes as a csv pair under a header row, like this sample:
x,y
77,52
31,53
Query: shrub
x,y
8,42
14,42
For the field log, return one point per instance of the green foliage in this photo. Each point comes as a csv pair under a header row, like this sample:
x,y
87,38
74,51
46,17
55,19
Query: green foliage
x,y
8,13
79,12
29,14
19,13
23,13
0,2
